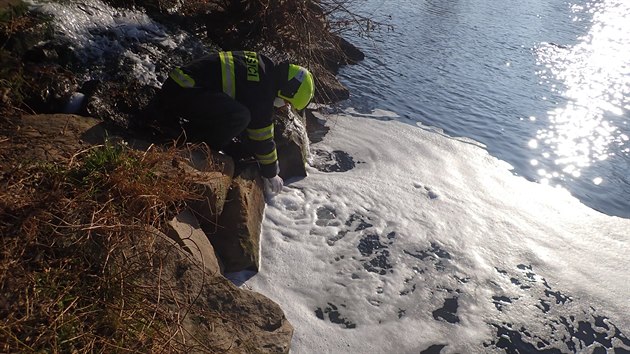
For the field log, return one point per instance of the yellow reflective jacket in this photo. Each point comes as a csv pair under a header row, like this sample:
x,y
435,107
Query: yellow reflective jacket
x,y
251,79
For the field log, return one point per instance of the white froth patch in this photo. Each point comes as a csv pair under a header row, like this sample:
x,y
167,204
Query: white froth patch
x,y
372,260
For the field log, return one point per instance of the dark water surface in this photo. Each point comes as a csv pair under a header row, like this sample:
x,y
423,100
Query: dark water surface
x,y
544,84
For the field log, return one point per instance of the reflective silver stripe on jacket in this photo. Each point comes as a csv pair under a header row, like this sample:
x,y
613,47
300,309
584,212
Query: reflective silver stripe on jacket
x,y
181,78
261,134
227,73
267,159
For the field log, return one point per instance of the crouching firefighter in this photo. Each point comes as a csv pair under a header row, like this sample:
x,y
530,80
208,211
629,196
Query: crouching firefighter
x,y
231,94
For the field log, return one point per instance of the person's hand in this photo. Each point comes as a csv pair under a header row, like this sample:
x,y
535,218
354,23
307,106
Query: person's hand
x,y
274,184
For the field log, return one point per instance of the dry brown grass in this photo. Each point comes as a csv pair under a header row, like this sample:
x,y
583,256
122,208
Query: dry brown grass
x,y
68,279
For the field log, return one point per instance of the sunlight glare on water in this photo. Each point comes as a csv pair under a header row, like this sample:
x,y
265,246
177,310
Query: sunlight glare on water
x,y
596,77
558,113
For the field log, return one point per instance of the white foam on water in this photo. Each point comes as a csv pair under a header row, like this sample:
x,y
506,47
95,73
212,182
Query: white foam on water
x,y
372,260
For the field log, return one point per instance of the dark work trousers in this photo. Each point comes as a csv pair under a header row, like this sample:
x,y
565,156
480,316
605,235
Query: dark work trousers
x,y
206,116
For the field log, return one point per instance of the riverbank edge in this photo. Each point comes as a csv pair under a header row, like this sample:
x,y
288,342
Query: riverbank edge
x,y
221,317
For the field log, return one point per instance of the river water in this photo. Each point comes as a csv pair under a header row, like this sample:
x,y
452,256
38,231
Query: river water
x,y
543,84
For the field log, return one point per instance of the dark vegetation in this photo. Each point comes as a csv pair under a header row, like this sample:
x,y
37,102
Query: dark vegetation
x,y
37,78
66,281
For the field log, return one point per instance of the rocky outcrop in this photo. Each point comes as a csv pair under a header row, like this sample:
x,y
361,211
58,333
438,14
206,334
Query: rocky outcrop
x,y
213,314
213,174
220,229
292,143
224,221
237,233
184,229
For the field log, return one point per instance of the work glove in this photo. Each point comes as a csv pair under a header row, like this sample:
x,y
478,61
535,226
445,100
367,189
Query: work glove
x,y
273,184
